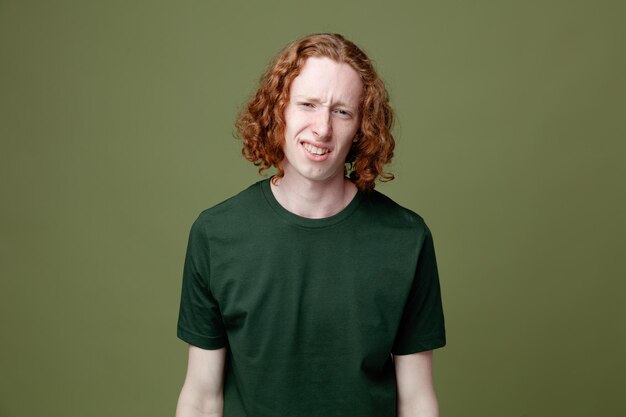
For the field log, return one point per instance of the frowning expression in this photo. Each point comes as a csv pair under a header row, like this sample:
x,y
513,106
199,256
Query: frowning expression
x,y
322,120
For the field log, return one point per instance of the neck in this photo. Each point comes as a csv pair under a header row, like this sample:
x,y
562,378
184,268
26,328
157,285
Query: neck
x,y
313,199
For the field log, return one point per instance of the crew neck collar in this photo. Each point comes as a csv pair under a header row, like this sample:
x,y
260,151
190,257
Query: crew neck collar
x,y
295,219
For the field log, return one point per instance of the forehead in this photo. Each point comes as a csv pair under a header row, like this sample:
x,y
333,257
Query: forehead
x,y
326,80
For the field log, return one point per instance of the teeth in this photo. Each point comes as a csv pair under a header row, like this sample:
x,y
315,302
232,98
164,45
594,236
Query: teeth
x,y
314,149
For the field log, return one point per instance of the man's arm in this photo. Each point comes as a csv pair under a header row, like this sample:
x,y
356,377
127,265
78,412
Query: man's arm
x,y
202,392
416,394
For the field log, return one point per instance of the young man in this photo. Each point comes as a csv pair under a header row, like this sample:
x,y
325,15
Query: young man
x,y
311,294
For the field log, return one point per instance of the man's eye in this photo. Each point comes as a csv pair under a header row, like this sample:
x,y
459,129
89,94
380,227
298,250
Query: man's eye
x,y
343,112
305,104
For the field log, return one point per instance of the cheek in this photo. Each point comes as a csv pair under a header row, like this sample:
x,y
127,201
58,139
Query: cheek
x,y
349,132
295,124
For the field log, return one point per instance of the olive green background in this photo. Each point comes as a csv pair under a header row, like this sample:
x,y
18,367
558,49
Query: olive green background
x,y
116,131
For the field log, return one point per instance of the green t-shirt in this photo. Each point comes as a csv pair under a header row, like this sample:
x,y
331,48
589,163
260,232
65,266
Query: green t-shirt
x,y
310,309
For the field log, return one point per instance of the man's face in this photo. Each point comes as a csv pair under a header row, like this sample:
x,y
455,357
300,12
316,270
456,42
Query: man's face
x,y
322,119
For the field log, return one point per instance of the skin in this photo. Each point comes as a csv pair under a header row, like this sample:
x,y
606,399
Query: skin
x,y
322,115
202,392
416,394
323,112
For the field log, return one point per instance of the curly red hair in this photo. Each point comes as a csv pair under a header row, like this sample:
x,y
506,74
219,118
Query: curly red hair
x,y
261,124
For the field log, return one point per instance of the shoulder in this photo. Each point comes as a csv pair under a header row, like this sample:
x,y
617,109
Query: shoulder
x,y
384,209
230,211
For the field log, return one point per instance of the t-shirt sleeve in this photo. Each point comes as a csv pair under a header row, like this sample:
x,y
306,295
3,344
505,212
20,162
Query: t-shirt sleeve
x,y
422,325
199,319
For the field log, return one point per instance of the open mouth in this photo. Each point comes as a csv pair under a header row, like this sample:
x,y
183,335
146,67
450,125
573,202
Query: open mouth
x,y
315,150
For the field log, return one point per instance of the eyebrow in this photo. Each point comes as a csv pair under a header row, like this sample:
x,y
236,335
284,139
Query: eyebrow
x,y
317,100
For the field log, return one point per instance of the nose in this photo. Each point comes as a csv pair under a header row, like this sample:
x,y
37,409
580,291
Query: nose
x,y
322,127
